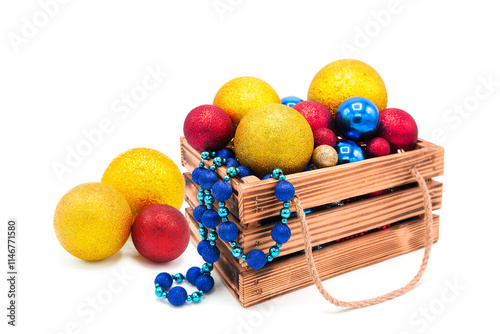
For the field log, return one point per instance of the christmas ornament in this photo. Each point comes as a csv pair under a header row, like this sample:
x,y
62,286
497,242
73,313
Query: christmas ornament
x,y
240,95
324,136
92,221
324,156
208,128
399,129
317,115
160,233
177,296
357,119
377,147
274,136
348,151
290,101
346,78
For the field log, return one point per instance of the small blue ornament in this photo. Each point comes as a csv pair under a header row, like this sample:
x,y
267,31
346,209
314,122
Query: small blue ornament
x,y
357,119
281,233
230,162
284,191
348,151
158,291
237,252
222,191
195,297
206,268
198,212
244,171
268,176
210,254
291,100
207,179
225,153
195,175
164,280
277,173
210,218
192,274
274,251
232,171
177,296
202,245
205,283
178,277
228,231
256,259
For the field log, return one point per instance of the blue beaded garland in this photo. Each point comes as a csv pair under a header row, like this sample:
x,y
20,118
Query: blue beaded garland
x,y
230,162
178,277
205,283
222,191
284,191
192,275
164,280
228,231
237,252
274,251
158,291
268,176
225,153
281,233
232,171
207,179
177,296
202,245
210,254
195,297
244,171
195,175
256,259
285,213
210,219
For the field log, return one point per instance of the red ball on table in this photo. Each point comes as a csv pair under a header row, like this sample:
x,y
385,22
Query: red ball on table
x,y
398,128
324,136
160,233
377,147
208,128
317,115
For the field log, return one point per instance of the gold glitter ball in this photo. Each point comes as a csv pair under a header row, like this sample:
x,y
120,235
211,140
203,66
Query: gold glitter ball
x,y
274,136
92,221
346,78
240,95
145,177
324,156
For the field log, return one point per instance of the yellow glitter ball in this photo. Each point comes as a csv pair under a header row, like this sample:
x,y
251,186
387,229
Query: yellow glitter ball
x,y
274,136
240,95
324,156
346,78
145,177
92,221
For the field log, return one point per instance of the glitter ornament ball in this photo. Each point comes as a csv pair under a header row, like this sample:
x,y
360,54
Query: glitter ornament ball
x,y
240,95
357,119
208,128
274,136
348,151
399,128
145,177
324,136
324,156
377,147
346,78
92,221
160,233
290,101
317,115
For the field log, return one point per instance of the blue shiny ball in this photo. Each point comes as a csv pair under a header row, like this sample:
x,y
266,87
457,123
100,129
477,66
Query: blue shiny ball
x,y
195,297
198,212
207,179
274,251
277,173
348,151
237,251
158,291
225,153
206,268
205,283
290,101
210,218
268,176
232,163
284,191
256,259
281,233
177,296
202,245
244,171
210,254
164,280
357,119
232,171
195,175
222,191
192,274
285,213
228,231
178,277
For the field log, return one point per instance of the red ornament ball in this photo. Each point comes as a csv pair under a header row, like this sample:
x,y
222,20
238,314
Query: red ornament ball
x,y
377,147
317,115
398,128
324,136
160,233
208,128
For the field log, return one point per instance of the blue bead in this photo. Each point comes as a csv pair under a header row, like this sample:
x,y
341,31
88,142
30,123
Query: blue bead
x,y
177,296
202,231
357,119
225,153
207,179
285,213
244,171
268,176
213,168
269,258
243,257
290,101
201,164
210,219
348,151
224,219
179,277
192,274
164,295
256,259
284,220
212,243
277,173
205,155
212,236
230,162
231,171
208,192
222,204
210,254
218,161
195,296
282,177
158,291
237,251
286,205
233,244
284,191
164,280
200,196
202,245
195,175
228,231
281,233
222,191
206,268
201,292
274,251
189,298
223,212
205,283
226,178
278,245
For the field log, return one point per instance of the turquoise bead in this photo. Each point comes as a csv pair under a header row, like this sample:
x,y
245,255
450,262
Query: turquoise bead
x,y
164,295
158,291
200,196
212,236
205,268
223,212
212,243
213,167
282,178
209,199
202,231
201,292
232,244
208,192
205,155
213,154
201,165
284,220
231,171
222,204
178,277
224,219
286,204
201,203
201,189
237,251
274,251
277,173
285,213
188,298
196,297
218,161
278,245
157,285
226,178
243,257
209,206
269,258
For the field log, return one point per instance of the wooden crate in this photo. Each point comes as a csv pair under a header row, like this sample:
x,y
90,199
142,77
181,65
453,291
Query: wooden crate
x,y
255,210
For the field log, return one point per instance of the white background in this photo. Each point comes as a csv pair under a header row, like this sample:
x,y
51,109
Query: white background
x,y
64,79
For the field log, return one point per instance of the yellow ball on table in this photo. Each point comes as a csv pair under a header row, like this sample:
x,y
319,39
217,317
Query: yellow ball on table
x,y
92,221
274,136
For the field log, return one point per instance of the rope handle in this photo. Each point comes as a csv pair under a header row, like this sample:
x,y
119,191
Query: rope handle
x,y
391,295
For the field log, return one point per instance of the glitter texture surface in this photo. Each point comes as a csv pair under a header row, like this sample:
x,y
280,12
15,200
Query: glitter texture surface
x,y
346,78
324,156
146,177
92,221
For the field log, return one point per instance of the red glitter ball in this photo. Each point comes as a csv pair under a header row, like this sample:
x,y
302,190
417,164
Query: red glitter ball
x,y
377,147
317,115
324,136
160,233
208,128
398,128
